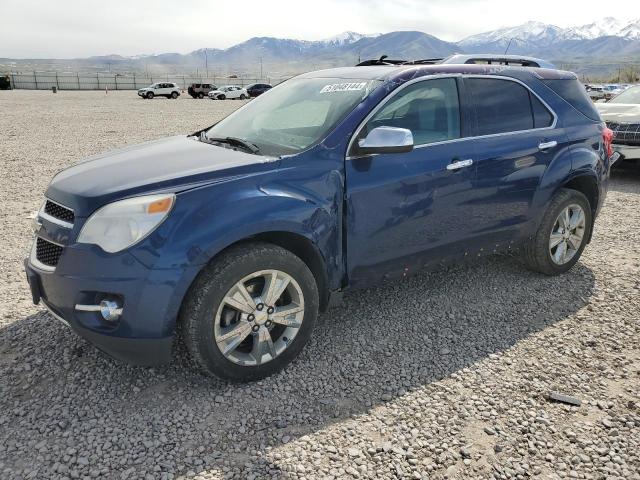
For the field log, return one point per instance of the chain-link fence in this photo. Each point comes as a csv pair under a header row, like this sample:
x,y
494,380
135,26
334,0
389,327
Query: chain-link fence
x,y
133,81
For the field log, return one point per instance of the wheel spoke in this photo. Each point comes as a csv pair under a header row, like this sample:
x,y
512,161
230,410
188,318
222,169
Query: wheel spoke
x,y
262,345
286,315
234,336
575,241
555,239
240,299
577,219
566,217
274,287
560,252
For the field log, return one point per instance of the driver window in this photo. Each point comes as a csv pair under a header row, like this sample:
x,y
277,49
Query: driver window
x,y
430,109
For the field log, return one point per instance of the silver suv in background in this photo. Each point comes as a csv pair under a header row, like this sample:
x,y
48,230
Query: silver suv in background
x,y
160,89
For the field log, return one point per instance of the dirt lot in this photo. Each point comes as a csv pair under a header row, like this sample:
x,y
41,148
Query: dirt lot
x,y
444,374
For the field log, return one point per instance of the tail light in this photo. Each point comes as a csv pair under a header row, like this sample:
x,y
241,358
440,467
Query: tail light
x,y
607,137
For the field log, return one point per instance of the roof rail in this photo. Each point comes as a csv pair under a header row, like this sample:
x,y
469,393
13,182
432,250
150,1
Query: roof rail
x,y
383,60
458,59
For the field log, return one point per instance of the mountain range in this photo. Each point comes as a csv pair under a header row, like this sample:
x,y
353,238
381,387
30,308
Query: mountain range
x,y
592,48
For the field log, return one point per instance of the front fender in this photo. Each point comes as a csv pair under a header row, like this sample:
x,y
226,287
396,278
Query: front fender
x,y
208,219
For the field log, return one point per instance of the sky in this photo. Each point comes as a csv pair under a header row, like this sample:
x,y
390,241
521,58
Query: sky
x,y
81,28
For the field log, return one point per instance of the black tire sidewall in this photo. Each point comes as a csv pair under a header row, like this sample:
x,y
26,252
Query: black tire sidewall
x,y
567,197
213,290
149,95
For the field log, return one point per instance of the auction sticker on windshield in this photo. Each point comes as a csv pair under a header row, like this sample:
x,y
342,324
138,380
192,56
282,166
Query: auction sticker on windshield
x,y
343,87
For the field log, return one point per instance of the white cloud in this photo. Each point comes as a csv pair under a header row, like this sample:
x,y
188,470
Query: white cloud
x,y
79,28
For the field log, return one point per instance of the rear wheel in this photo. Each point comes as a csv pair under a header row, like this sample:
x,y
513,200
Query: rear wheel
x,y
562,234
149,95
174,95
243,96
250,312
201,95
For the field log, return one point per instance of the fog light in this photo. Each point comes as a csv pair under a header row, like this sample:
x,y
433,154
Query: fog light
x,y
109,309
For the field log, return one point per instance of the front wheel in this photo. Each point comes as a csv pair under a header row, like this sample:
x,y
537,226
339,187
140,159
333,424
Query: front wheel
x,y
201,95
562,234
221,97
250,312
149,95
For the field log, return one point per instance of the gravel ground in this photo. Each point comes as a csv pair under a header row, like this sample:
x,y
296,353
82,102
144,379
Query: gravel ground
x,y
443,375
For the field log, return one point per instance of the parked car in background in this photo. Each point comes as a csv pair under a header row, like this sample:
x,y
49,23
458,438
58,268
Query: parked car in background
x,y
239,234
622,115
595,92
160,89
200,90
256,89
229,92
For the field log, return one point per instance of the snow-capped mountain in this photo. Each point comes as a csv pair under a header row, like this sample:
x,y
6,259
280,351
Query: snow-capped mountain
x,y
601,28
346,38
541,33
527,32
604,36
631,30
607,38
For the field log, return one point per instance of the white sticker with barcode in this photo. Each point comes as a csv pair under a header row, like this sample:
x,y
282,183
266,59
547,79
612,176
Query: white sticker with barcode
x,y
343,87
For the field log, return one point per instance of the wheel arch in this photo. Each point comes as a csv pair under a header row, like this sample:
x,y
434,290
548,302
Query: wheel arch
x,y
298,244
588,186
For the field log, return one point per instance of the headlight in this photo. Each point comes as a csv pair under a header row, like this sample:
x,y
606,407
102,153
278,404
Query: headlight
x,y
119,225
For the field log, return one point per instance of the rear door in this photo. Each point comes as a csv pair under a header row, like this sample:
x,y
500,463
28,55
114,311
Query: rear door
x,y
515,142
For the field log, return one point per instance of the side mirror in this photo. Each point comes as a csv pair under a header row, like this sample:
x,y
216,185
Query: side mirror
x,y
386,140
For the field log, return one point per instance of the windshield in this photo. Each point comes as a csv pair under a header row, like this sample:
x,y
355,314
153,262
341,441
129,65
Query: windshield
x,y
630,95
294,115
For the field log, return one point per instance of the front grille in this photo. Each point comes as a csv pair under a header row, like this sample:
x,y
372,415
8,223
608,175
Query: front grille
x,y
47,253
625,133
58,211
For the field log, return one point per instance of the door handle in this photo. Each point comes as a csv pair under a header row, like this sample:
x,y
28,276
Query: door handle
x,y
458,164
547,145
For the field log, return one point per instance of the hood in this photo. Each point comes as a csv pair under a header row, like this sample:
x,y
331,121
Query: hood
x,y
619,112
170,164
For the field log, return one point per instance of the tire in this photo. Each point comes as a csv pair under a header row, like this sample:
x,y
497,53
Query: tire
x,y
149,95
174,95
201,95
205,317
243,96
539,255
222,97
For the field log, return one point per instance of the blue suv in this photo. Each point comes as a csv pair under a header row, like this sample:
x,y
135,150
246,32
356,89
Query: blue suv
x,y
238,235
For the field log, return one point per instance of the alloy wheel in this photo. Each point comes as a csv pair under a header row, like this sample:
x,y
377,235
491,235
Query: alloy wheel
x,y
259,317
567,234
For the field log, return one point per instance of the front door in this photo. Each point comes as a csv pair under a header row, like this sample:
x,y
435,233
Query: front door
x,y
405,210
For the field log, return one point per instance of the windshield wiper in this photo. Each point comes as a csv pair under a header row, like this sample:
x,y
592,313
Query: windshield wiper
x,y
238,142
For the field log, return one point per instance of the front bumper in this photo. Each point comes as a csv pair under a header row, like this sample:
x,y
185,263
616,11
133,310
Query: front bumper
x,y
143,335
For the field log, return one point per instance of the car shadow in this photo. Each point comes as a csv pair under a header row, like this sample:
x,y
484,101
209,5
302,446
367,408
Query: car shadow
x,y
379,345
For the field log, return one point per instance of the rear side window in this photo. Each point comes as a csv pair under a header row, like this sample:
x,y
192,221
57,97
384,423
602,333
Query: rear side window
x,y
541,116
573,92
501,105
